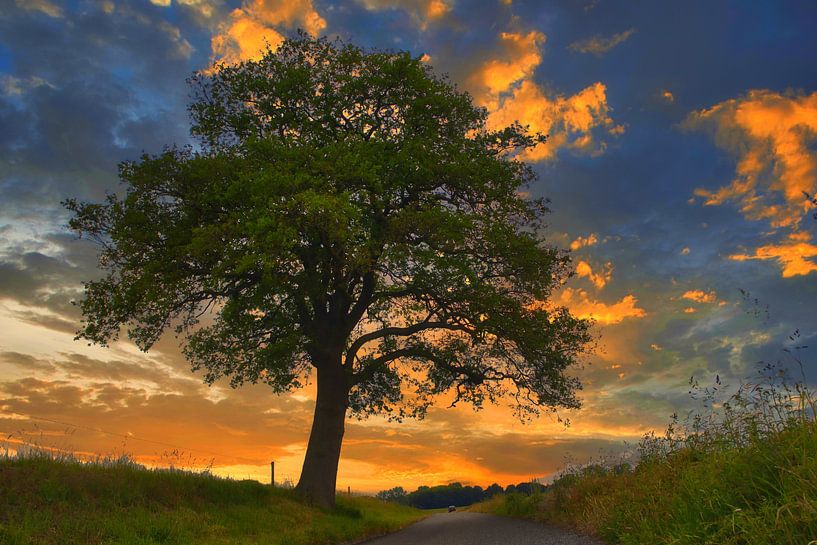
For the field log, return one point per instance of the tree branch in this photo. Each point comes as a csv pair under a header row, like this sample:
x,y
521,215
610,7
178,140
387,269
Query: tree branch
x,y
380,362
353,349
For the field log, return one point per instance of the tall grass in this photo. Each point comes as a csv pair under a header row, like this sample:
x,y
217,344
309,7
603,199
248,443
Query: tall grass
x,y
741,471
48,497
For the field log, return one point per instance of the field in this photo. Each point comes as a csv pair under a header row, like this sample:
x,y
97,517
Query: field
x,y
745,473
45,500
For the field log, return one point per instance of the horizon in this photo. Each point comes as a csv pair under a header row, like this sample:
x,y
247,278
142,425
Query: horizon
x,y
680,150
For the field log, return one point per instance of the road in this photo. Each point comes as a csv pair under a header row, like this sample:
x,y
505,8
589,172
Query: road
x,y
463,528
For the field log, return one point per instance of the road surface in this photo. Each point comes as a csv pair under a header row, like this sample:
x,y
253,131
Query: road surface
x,y
463,528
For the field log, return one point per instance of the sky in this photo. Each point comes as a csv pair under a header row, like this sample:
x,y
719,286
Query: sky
x,y
682,137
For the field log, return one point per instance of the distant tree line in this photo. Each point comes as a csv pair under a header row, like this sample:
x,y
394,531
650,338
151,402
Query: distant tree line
x,y
434,497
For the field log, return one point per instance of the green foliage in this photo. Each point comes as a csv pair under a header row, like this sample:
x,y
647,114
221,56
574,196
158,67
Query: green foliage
x,y
510,505
345,209
435,497
44,501
743,473
396,494
440,496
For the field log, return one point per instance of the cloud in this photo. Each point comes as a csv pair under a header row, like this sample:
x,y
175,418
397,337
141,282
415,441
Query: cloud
x,y
44,277
582,305
700,296
81,101
599,45
582,242
569,121
771,135
129,409
255,25
204,11
795,256
501,77
599,279
40,281
27,362
136,398
105,81
514,59
43,6
422,12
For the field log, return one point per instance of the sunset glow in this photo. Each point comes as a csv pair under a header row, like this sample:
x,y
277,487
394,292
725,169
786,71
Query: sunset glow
x,y
678,160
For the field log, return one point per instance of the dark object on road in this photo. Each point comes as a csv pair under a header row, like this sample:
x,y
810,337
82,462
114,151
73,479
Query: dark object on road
x,y
452,508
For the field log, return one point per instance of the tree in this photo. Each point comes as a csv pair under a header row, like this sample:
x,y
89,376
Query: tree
x,y
493,490
396,494
435,497
347,213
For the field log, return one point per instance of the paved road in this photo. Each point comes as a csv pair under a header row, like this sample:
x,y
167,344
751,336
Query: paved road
x,y
463,528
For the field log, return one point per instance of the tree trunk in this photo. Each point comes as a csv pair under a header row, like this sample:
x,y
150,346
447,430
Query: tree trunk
x,y
320,471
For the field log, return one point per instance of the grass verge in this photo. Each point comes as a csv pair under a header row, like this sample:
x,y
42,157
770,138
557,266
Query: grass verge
x,y
49,501
744,473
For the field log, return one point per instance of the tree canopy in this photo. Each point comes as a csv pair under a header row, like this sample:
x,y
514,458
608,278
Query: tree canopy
x,y
435,497
345,211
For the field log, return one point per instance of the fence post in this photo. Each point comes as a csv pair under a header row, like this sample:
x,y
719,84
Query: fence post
x,y
272,473
349,490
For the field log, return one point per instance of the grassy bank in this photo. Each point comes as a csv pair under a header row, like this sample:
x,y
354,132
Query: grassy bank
x,y
44,501
745,473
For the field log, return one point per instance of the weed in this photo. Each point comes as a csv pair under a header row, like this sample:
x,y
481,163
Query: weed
x,y
742,471
52,497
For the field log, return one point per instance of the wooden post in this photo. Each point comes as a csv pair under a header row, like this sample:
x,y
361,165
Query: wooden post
x,y
272,473
349,490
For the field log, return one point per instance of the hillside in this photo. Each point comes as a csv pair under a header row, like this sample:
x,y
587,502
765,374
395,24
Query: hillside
x,y
44,501
744,473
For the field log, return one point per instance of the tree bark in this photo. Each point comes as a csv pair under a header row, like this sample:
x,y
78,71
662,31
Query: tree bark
x,y
319,475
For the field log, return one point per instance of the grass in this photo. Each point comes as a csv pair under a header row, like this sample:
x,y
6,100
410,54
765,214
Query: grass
x,y
742,473
44,500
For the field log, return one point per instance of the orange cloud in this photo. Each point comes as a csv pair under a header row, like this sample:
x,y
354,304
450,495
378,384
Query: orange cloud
x,y
503,83
794,255
581,242
252,27
569,121
700,296
422,12
600,279
251,427
599,45
581,305
771,134
516,58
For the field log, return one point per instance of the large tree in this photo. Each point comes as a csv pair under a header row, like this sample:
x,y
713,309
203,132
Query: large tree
x,y
346,213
